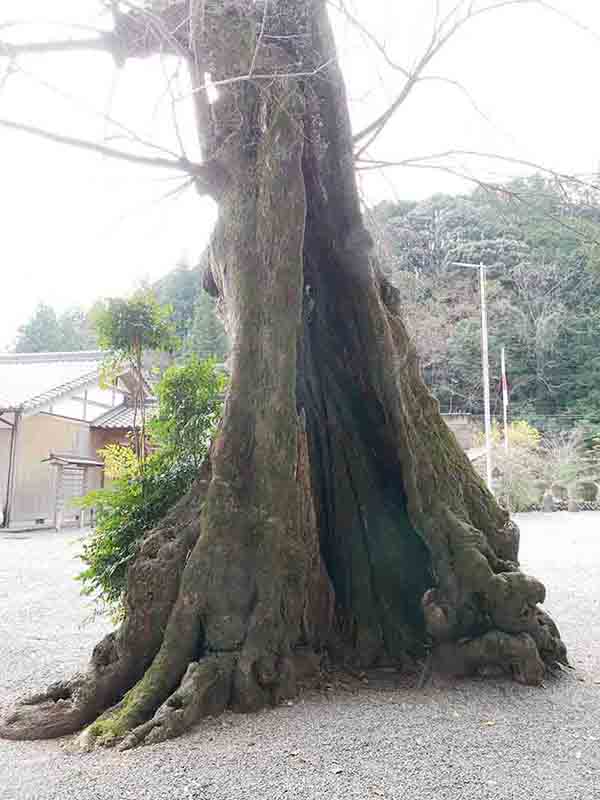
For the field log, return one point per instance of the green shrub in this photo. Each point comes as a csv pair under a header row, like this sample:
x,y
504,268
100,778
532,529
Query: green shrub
x,y
137,499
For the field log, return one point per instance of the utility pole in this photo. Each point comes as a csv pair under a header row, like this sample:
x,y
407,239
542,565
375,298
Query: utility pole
x,y
485,368
504,398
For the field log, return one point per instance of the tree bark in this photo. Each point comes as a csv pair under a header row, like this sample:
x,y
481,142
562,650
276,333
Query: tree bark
x,y
336,511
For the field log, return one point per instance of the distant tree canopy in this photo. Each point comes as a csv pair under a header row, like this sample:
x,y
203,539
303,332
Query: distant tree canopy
x,y
199,330
206,337
540,240
47,331
179,289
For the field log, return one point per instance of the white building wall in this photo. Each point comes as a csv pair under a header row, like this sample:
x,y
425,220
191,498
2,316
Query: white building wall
x,y
4,453
87,404
35,485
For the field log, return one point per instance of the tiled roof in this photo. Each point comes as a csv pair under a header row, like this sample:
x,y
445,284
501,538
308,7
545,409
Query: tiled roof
x,y
31,380
71,460
121,417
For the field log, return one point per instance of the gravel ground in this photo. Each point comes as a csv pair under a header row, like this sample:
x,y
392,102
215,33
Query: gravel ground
x,y
472,740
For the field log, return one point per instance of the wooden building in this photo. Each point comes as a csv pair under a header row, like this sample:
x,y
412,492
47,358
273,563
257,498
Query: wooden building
x,y
55,414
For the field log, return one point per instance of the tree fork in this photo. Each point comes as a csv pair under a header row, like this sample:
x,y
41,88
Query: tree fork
x,y
337,511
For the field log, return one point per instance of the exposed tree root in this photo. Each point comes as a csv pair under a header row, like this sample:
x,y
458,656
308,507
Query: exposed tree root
x,y
121,658
205,690
515,654
337,511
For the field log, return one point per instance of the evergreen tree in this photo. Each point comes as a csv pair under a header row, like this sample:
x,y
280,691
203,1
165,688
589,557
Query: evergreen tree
x,y
207,337
180,289
48,332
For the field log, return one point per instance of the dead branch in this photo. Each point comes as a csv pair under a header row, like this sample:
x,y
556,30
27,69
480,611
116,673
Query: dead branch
x,y
210,178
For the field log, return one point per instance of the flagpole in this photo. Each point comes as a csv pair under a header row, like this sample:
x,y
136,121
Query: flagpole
x,y
504,398
486,380
485,366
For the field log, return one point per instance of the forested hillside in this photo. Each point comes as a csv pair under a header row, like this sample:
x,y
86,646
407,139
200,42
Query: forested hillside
x,y
540,240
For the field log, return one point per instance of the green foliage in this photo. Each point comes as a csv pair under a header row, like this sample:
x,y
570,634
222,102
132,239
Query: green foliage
x,y
180,289
174,315
136,500
131,505
49,332
127,327
190,405
540,240
207,337
517,487
521,435
534,463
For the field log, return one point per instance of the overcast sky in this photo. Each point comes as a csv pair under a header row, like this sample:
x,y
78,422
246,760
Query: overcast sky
x,y
76,226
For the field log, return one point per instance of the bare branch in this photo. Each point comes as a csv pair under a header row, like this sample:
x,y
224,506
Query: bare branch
x,y
169,79
414,160
209,178
572,20
77,102
137,33
463,89
267,76
260,37
149,32
441,35
20,23
342,7
103,43
424,162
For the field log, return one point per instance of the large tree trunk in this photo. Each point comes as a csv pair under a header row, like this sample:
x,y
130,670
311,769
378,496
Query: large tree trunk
x,y
336,511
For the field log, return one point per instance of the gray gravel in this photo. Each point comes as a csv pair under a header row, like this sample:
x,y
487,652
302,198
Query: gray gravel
x,y
473,740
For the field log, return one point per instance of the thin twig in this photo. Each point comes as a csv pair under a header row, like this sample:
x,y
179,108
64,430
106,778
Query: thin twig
x,y
439,39
169,79
481,154
342,8
258,77
106,117
488,186
201,172
260,37
18,23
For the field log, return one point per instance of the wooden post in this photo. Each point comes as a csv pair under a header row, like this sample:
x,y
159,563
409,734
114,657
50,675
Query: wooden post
x,y
12,471
84,491
58,512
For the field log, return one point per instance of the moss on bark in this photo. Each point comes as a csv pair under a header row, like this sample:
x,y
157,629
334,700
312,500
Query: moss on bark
x,y
336,511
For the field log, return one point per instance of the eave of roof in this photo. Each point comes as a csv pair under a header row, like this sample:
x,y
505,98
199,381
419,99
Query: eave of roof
x,y
38,399
69,460
37,358
60,391
26,404
122,417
